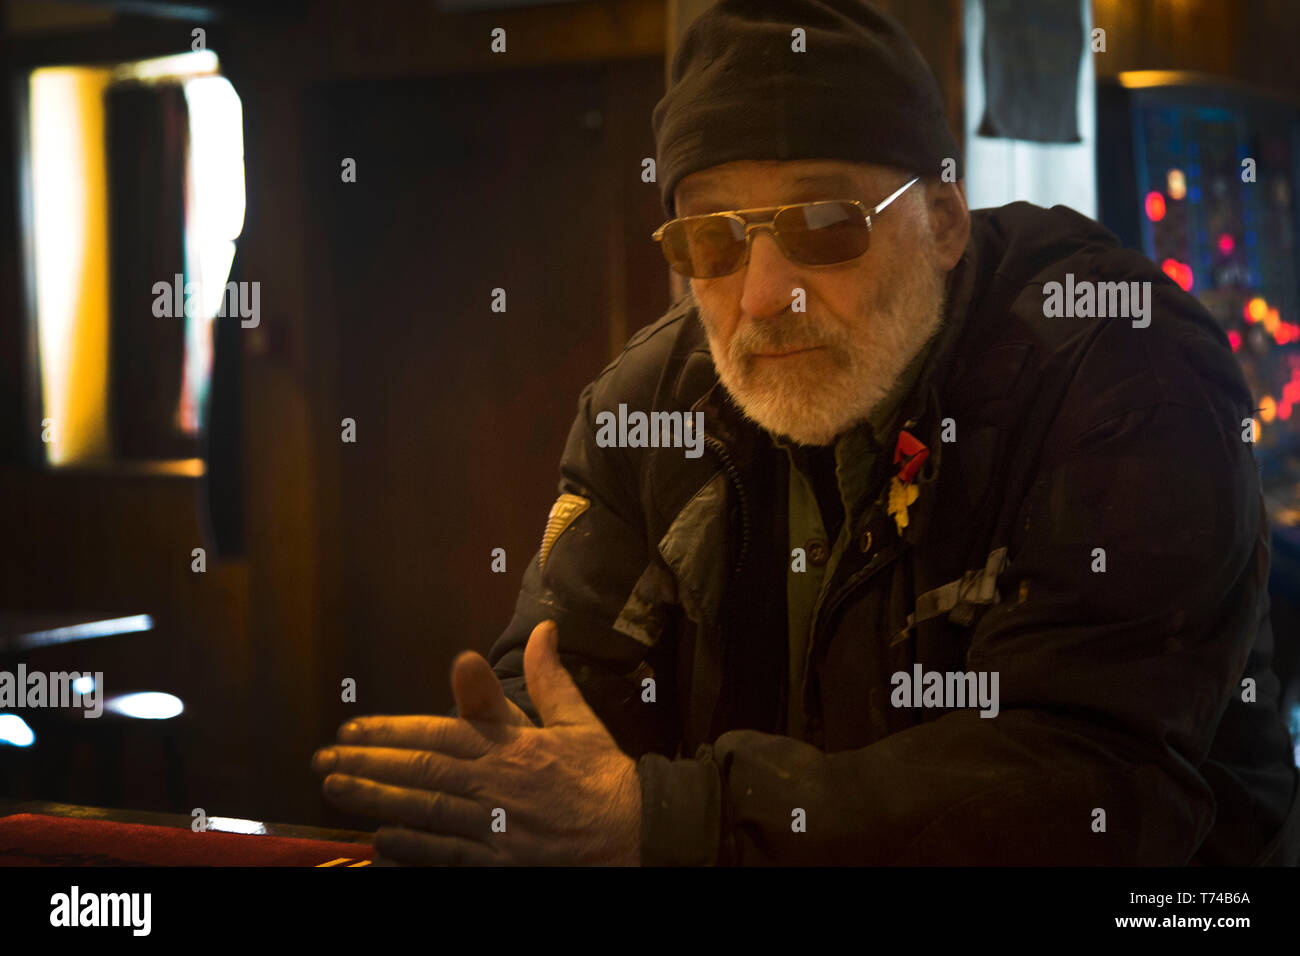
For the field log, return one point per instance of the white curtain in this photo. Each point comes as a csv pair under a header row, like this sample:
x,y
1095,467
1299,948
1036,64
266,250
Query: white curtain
x,y
1000,171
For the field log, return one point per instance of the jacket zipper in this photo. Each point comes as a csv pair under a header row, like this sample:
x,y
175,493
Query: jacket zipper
x,y
827,611
733,475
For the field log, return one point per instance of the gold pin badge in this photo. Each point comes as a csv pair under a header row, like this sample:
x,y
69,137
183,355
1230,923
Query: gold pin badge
x,y
900,496
563,513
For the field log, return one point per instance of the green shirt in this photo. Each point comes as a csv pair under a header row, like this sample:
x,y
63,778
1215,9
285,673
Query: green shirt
x,y
812,524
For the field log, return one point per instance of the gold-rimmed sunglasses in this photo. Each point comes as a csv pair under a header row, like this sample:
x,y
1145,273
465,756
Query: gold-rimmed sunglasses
x,y
811,233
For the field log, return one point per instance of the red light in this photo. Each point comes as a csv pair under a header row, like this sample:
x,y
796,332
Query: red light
x,y
1180,273
1234,339
1226,244
1155,207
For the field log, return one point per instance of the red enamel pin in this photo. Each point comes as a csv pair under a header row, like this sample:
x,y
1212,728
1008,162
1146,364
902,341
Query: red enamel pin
x,y
911,453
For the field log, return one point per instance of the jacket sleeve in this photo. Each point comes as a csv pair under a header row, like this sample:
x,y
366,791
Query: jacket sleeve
x,y
597,582
1111,683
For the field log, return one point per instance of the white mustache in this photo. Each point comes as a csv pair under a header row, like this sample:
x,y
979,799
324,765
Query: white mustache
x,y
749,341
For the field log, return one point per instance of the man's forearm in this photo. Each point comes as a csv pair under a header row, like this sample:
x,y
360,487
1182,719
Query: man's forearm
x,y
953,791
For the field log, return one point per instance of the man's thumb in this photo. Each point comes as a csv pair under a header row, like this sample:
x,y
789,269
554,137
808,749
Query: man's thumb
x,y
478,693
554,694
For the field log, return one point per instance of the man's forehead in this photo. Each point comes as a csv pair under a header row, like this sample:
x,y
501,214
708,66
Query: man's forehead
x,y
735,181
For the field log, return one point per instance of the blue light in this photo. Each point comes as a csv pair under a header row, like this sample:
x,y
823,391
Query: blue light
x,y
14,731
148,705
82,632
1194,194
1250,237
1295,731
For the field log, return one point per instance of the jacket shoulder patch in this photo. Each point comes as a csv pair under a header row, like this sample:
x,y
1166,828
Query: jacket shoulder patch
x,y
563,513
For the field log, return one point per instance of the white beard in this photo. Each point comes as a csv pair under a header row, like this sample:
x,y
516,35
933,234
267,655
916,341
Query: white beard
x,y
813,399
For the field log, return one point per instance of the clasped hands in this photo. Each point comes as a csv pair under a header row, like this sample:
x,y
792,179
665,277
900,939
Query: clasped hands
x,y
489,787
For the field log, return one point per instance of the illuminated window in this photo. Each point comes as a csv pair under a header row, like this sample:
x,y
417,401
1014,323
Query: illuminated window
x,y
124,372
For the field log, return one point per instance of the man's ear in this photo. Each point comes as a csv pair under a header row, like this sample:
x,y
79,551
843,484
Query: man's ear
x,y
949,219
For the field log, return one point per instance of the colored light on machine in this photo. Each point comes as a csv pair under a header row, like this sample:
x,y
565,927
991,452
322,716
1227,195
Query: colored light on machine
x,y
1234,339
1256,309
1227,244
1155,205
1286,333
1176,183
1290,395
1180,272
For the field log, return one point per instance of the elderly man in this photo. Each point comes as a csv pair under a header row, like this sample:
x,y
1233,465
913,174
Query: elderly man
x,y
972,568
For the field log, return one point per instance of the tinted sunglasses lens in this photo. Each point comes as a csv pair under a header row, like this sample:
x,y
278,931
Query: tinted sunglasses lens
x,y
824,233
705,246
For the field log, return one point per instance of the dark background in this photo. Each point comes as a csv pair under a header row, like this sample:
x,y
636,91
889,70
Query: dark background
x,y
372,560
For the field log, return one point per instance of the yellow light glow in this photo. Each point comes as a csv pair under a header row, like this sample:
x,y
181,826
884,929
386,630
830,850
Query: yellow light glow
x,y
1267,408
70,212
1176,184
69,190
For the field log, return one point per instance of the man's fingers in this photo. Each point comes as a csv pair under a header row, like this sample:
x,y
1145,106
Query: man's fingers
x,y
432,811
403,768
448,735
431,849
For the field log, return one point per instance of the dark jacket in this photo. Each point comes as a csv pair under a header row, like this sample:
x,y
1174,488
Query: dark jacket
x,y
1121,690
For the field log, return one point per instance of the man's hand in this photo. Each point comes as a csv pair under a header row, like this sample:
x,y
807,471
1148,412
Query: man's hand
x,y
490,787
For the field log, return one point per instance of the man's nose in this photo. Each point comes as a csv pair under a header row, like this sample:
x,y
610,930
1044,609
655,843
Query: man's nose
x,y
770,278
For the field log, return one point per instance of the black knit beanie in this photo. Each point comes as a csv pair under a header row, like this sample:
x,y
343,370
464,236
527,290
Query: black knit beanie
x,y
860,91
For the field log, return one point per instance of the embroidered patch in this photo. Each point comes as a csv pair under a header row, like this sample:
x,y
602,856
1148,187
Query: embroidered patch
x,y
563,513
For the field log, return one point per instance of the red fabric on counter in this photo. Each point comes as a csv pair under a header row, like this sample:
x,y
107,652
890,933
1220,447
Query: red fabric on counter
x,y
32,839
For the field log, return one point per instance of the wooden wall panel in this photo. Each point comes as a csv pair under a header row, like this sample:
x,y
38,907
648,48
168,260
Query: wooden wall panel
x,y
1252,41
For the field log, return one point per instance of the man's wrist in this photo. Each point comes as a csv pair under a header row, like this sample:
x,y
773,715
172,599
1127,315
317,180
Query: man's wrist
x,y
681,811
627,813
